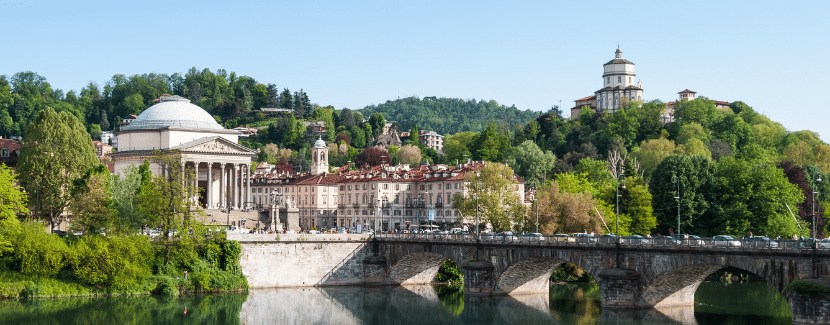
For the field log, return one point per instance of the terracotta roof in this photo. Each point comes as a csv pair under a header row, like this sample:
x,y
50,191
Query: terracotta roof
x,y
587,98
687,91
9,143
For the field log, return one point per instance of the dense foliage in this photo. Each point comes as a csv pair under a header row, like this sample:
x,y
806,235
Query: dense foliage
x,y
448,115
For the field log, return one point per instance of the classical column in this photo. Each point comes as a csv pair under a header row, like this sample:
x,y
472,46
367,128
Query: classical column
x,y
248,194
196,182
209,187
222,184
235,185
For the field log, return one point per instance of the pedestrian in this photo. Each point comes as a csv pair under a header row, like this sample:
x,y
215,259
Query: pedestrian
x,y
750,234
185,275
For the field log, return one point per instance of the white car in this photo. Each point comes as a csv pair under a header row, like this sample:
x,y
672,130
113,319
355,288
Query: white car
x,y
724,240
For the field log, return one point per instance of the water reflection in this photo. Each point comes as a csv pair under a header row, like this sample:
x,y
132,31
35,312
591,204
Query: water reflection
x,y
209,309
717,303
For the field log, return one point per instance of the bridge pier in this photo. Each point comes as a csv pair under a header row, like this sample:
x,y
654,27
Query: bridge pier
x,y
810,309
479,278
619,288
374,270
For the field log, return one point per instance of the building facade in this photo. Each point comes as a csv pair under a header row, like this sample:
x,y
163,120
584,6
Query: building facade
x,y
618,87
209,151
432,139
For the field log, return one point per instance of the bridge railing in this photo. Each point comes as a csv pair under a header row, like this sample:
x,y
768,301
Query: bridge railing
x,y
786,245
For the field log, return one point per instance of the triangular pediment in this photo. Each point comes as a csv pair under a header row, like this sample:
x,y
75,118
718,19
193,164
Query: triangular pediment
x,y
215,144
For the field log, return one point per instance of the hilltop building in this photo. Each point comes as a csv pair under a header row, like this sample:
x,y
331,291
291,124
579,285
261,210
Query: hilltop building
x,y
207,149
618,87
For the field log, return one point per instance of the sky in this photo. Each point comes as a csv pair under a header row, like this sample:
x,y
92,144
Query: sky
x,y
531,54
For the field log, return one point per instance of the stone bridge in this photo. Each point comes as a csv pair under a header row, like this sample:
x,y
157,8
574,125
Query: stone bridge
x,y
629,276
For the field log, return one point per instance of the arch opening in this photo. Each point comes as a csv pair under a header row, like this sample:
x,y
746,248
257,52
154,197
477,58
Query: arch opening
x,y
726,287
416,268
528,276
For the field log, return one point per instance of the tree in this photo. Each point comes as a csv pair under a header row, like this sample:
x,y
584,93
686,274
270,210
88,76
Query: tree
x,y
372,156
125,198
733,130
566,212
696,178
492,192
699,110
652,152
91,201
410,154
12,205
490,144
624,125
635,203
166,199
346,118
531,163
378,122
457,146
56,150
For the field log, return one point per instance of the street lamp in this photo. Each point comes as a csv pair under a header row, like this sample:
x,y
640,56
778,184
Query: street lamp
x,y
675,180
384,206
814,192
478,184
621,176
377,213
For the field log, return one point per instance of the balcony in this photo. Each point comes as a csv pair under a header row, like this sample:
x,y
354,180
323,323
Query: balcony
x,y
371,205
356,206
439,205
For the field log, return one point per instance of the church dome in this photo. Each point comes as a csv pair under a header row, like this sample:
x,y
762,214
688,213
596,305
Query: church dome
x,y
320,143
173,111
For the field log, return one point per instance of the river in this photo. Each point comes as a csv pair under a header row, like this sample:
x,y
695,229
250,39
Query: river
x,y
716,303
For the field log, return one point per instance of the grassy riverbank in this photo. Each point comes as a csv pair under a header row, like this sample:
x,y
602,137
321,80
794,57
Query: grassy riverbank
x,y
46,265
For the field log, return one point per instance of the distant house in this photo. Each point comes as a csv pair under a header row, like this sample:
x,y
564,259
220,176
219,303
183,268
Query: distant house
x,y
389,137
668,113
102,149
245,132
271,110
9,151
432,139
318,126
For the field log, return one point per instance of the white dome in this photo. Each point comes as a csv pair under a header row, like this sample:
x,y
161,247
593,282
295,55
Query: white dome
x,y
173,111
320,144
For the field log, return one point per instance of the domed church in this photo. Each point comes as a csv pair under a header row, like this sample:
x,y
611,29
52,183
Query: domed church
x,y
209,150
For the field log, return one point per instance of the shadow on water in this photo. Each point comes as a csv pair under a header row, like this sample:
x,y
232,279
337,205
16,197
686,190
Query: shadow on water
x,y
203,309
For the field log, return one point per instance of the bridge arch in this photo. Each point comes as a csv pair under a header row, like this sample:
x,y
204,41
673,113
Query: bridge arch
x,y
530,275
416,268
671,285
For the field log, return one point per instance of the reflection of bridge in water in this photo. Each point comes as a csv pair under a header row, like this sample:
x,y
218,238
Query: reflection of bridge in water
x,y
630,276
659,274
420,304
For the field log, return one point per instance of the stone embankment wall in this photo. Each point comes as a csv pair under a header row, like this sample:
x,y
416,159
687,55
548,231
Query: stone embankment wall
x,y
303,260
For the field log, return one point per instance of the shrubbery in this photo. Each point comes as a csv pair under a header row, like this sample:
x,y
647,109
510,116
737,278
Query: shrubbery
x,y
46,265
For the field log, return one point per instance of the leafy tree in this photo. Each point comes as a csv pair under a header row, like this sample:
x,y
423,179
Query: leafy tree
x,y
624,125
166,199
690,131
126,191
12,204
733,130
492,193
343,138
347,118
457,146
410,154
635,204
753,198
358,137
698,110
413,134
490,144
372,156
531,163
91,201
377,122
695,176
652,152
57,150
567,212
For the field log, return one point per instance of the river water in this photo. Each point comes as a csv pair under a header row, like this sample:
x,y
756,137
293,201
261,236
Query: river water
x,y
716,303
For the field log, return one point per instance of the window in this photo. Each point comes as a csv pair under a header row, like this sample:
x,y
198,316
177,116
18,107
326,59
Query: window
x,y
607,80
385,186
408,186
342,187
456,186
630,79
397,187
364,198
619,79
449,197
397,212
429,187
439,186
397,198
350,199
364,186
350,187
422,187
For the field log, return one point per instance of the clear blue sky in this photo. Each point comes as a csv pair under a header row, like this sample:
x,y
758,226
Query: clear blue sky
x,y
769,54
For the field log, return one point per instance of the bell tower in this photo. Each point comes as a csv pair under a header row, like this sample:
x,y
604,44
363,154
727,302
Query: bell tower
x,y
319,158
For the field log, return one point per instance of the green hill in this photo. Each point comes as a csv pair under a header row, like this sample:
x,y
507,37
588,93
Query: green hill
x,y
448,115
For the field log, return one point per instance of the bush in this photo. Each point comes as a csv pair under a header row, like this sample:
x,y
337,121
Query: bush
x,y
808,288
166,286
449,272
39,253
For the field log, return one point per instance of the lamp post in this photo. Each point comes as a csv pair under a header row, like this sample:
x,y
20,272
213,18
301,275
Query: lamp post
x,y
385,205
620,179
478,184
675,180
815,237
377,213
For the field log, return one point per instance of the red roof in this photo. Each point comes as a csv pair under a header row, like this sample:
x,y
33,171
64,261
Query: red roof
x,y
9,143
687,91
586,98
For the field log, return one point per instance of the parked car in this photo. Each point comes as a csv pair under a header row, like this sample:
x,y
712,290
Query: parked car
x,y
727,241
535,236
584,238
760,241
634,240
564,238
506,235
313,232
689,239
668,240
824,243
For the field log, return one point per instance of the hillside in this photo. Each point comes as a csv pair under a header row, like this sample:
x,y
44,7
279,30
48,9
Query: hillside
x,y
448,115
